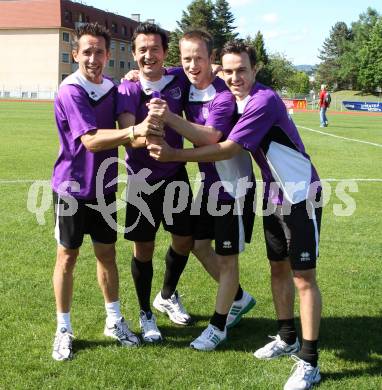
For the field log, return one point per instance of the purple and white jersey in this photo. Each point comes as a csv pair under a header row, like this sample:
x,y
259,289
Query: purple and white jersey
x,y
268,132
132,98
215,107
82,106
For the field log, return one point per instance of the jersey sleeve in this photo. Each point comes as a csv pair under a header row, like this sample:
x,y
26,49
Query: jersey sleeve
x,y
221,113
76,109
258,118
128,97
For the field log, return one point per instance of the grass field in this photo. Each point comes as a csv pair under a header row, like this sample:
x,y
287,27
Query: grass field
x,y
349,271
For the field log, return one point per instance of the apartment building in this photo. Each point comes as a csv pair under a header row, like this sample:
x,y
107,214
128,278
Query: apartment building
x,y
36,36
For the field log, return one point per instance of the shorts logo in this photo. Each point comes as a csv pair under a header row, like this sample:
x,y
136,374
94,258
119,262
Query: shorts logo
x,y
227,244
175,93
305,256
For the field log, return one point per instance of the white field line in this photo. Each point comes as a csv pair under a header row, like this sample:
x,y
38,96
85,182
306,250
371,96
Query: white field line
x,y
338,136
26,181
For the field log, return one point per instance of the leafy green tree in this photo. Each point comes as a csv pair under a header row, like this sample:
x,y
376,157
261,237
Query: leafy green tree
x,y
282,71
333,49
370,75
298,83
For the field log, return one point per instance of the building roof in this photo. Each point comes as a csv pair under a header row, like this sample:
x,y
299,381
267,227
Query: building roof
x,y
26,14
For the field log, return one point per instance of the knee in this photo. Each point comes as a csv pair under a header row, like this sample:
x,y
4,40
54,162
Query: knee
x,y
66,258
144,251
201,250
182,244
228,264
280,269
105,254
305,280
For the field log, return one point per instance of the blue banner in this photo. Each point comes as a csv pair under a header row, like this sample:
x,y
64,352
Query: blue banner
x,y
363,106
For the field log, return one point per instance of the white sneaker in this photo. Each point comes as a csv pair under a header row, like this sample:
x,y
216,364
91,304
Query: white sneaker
x,y
121,332
239,308
303,377
173,307
150,331
62,346
277,348
210,338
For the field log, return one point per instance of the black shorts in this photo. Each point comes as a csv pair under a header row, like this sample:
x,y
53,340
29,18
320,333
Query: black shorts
x,y
69,230
231,230
294,235
169,204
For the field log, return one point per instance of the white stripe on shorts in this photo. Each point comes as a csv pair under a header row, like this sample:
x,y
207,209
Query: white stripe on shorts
x,y
57,226
316,234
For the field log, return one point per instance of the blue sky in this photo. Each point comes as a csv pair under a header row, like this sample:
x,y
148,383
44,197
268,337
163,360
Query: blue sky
x,y
296,28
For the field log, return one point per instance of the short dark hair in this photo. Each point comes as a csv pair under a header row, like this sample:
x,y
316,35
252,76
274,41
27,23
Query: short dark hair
x,y
93,29
238,46
150,28
201,34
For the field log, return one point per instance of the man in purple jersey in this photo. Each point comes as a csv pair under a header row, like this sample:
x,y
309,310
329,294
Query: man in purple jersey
x,y
85,117
210,113
149,44
292,189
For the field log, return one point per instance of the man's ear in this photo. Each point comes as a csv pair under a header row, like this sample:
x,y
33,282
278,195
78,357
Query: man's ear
x,y
74,54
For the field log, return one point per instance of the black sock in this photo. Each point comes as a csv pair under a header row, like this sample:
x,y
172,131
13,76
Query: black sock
x,y
142,273
309,352
219,320
287,330
239,294
175,264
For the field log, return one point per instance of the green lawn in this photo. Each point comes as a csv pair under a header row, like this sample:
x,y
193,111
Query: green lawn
x,y
349,275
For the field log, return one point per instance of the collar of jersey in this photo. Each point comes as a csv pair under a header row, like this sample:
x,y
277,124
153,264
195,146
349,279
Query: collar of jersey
x,y
201,95
149,86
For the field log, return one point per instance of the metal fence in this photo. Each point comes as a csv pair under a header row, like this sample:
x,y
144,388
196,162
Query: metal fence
x,y
27,93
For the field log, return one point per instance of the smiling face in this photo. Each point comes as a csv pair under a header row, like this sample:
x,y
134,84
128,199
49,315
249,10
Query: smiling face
x,y
238,73
92,57
149,54
196,62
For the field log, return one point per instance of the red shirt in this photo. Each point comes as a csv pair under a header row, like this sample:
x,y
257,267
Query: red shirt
x,y
323,103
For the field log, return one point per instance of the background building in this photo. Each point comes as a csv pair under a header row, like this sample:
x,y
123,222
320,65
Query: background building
x,y
36,36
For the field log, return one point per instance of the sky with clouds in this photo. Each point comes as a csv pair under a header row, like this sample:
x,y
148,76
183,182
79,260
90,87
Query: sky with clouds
x,y
295,28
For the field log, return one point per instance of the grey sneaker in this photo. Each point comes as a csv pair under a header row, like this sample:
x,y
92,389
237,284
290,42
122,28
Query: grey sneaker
x,y
239,308
121,332
173,307
210,338
277,348
62,345
150,331
303,377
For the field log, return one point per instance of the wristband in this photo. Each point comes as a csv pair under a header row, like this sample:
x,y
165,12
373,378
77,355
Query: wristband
x,y
131,135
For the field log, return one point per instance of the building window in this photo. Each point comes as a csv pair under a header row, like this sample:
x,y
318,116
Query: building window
x,y
66,36
111,63
24,95
87,19
114,27
81,17
122,46
65,58
129,47
34,95
7,94
122,64
64,76
67,16
112,45
124,30
106,24
129,65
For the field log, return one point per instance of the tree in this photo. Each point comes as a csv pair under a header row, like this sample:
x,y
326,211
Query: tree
x,y
264,74
216,18
370,75
282,70
224,28
334,47
298,83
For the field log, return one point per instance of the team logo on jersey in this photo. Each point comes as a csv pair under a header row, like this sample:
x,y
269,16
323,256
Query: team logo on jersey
x,y
205,112
93,95
175,93
305,256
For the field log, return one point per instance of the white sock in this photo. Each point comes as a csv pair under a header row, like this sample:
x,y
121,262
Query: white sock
x,y
113,312
63,321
